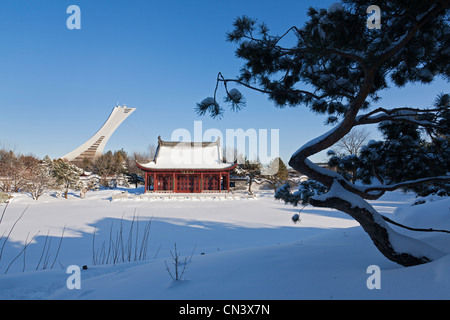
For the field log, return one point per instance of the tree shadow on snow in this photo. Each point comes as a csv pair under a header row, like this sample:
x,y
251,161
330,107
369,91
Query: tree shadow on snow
x,y
112,241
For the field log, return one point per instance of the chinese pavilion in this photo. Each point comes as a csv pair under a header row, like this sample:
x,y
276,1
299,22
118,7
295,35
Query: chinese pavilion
x,y
187,167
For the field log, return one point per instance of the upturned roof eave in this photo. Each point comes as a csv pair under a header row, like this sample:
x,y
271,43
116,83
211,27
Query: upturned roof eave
x,y
147,169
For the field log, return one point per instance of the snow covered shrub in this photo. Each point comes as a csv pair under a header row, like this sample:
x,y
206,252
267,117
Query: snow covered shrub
x,y
3,197
66,175
404,155
346,165
305,191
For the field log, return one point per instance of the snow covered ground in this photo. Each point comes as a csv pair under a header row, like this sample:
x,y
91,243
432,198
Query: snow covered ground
x,y
234,249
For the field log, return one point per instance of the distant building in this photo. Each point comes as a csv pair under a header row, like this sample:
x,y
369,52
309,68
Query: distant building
x,y
94,147
187,167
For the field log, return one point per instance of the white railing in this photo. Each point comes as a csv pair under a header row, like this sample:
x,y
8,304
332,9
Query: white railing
x,y
216,195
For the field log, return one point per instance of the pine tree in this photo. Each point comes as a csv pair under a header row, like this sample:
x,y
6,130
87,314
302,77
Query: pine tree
x,y
135,179
337,67
109,166
66,175
346,165
404,155
276,173
249,169
133,172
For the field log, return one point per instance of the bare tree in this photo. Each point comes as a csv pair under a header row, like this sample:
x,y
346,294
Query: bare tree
x,y
133,172
11,173
346,160
151,151
38,176
352,142
178,263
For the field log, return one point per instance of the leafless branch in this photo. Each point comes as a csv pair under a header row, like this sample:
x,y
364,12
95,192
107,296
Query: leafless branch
x,y
413,229
409,115
405,184
178,271
297,91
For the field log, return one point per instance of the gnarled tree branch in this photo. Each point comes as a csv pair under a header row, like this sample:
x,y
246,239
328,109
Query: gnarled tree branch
x,y
410,183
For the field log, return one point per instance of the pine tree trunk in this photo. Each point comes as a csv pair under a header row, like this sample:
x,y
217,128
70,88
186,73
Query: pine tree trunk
x,y
375,227
372,222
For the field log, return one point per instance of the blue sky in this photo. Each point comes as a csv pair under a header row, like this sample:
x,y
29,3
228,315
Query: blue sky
x,y
58,86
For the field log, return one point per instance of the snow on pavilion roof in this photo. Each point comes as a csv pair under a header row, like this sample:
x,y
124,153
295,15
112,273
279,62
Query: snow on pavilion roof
x,y
187,155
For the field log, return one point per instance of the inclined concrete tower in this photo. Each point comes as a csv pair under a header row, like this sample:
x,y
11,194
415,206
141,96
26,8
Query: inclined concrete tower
x,y
94,147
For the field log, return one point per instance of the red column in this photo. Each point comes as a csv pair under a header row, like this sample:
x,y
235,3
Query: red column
x,y
201,182
155,183
174,183
146,182
228,181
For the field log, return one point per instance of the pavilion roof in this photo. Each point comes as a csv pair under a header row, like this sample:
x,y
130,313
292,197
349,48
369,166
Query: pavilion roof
x,y
187,155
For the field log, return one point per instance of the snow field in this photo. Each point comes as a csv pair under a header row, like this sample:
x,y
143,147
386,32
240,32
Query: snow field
x,y
235,249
